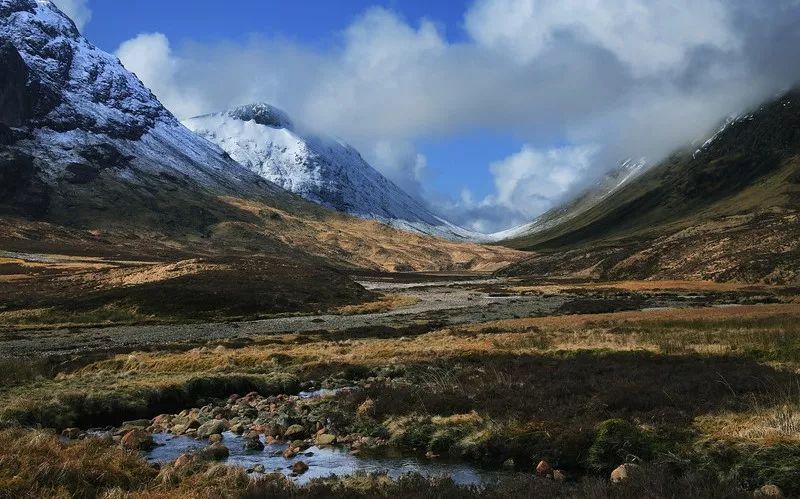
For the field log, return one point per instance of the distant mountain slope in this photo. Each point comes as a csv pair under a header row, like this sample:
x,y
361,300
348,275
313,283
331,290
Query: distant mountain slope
x,y
90,160
726,210
587,199
321,169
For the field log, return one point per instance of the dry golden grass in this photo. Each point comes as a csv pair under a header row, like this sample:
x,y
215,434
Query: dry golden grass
x,y
370,244
779,424
384,303
36,464
655,285
701,314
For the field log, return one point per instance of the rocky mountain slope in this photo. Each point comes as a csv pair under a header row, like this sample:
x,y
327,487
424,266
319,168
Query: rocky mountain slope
x,y
321,169
91,161
727,210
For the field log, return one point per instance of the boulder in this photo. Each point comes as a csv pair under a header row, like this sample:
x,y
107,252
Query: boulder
x,y
137,439
252,441
325,439
544,468
211,427
215,438
136,423
769,490
299,467
71,433
183,460
162,420
624,472
216,452
294,431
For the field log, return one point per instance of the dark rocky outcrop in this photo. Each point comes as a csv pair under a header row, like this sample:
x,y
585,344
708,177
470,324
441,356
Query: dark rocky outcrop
x,y
14,106
21,190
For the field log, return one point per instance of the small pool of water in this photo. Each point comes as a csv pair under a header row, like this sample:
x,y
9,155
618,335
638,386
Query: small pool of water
x,y
322,462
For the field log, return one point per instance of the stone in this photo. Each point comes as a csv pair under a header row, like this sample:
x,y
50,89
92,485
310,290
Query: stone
x,y
769,490
290,452
544,468
253,443
559,476
624,472
137,439
211,427
299,467
217,452
178,429
183,460
259,468
325,439
136,423
71,433
215,438
294,431
509,464
162,420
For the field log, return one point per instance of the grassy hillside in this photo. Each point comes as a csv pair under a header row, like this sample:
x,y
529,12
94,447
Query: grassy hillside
x,y
745,180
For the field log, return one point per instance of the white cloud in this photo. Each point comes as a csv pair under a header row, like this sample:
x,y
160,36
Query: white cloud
x,y
401,163
150,56
647,36
77,10
530,181
526,184
633,77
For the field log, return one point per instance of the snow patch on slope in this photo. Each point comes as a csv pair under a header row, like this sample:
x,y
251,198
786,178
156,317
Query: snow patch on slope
x,y
321,169
80,96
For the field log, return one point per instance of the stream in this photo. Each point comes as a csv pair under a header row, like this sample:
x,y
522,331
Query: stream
x,y
321,461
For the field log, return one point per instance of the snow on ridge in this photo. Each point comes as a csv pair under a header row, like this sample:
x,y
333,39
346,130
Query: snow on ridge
x,y
83,97
321,169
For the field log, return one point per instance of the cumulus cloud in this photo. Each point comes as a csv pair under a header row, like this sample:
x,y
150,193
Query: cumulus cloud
x,y
526,184
77,10
648,37
583,84
150,57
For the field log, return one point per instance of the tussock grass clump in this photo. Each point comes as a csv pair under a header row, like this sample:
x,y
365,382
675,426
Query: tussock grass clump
x,y
84,406
37,464
618,441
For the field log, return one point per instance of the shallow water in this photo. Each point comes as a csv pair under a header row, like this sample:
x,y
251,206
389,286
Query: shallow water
x,y
322,462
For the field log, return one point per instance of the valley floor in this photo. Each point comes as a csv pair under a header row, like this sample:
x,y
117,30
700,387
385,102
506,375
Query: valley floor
x,y
473,376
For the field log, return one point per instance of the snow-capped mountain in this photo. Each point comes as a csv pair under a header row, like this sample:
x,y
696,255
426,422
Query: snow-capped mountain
x,y
321,169
81,135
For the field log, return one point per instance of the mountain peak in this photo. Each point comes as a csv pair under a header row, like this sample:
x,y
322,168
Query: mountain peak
x,y
70,84
328,172
263,114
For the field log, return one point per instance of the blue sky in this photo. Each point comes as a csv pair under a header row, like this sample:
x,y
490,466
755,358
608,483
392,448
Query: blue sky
x,y
453,162
490,111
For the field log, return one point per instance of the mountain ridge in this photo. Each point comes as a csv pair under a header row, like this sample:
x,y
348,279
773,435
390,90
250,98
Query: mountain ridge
x,y
89,158
320,169
738,186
